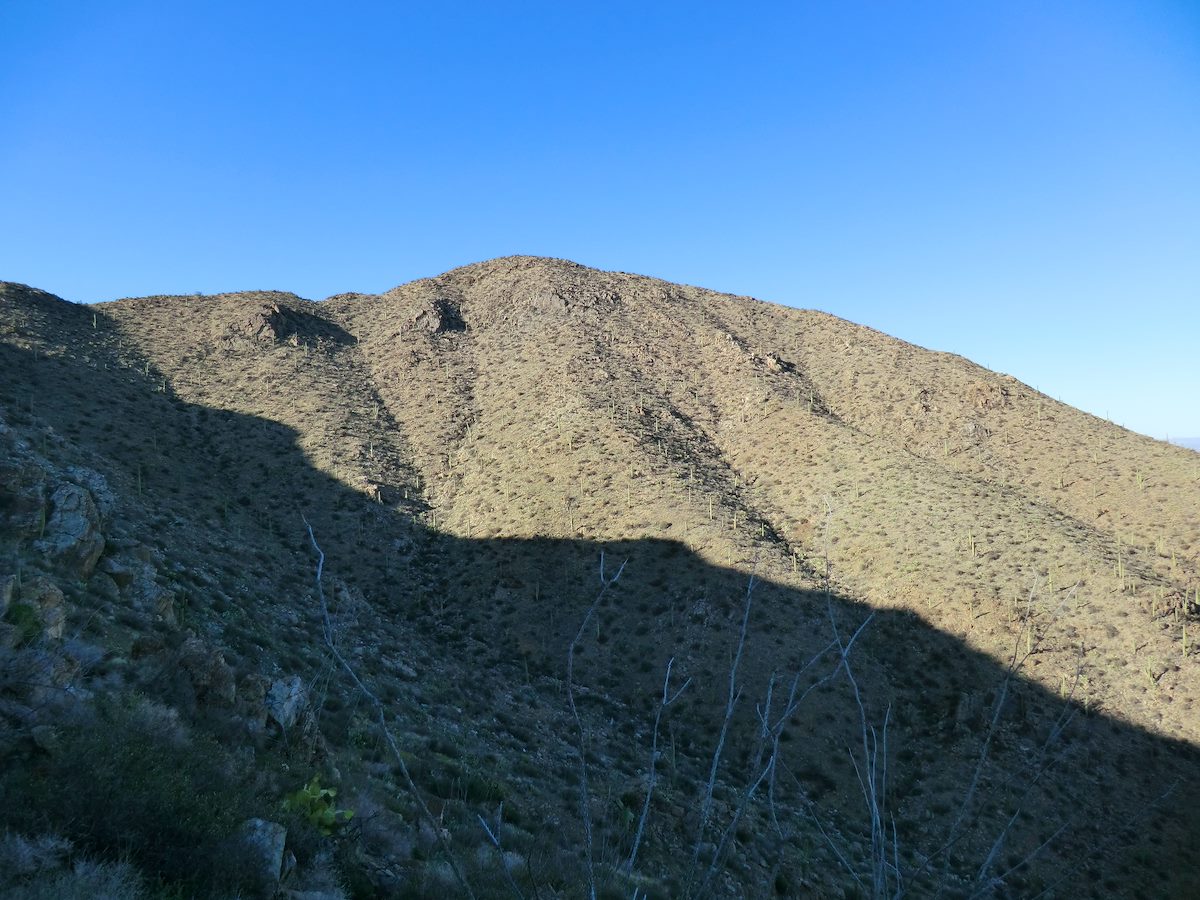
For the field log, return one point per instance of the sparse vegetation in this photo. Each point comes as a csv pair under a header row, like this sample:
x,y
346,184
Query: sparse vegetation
x,y
467,446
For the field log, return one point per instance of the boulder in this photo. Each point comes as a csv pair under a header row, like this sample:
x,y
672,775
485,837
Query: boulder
x,y
776,364
252,707
120,569
263,842
45,596
209,676
96,485
45,738
439,317
72,538
102,585
137,580
286,700
267,325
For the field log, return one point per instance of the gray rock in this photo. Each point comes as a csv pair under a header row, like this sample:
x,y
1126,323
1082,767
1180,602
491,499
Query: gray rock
x,y
54,620
286,700
439,317
121,569
207,673
72,539
264,842
137,580
46,596
97,486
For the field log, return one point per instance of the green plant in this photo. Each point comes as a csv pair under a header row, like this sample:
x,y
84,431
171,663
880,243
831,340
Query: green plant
x,y
128,782
27,621
316,804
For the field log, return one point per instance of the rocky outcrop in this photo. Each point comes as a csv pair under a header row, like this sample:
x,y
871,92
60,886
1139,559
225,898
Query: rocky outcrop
x,y
263,842
44,595
266,325
439,317
987,395
135,574
270,323
72,539
286,700
291,714
208,678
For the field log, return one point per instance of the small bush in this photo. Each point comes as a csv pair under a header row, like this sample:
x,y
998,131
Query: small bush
x,y
85,880
27,621
130,784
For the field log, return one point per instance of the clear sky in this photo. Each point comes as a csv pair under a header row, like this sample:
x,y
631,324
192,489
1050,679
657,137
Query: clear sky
x,y
1016,182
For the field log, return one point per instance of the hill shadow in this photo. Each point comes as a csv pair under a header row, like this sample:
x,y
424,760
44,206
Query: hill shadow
x,y
1112,807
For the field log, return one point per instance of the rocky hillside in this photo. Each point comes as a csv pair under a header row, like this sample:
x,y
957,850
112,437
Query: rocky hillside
x,y
964,665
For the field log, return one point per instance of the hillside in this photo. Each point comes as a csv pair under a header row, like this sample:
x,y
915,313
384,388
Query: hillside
x,y
465,448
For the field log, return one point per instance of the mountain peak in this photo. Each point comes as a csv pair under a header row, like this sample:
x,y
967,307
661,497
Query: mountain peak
x,y
467,448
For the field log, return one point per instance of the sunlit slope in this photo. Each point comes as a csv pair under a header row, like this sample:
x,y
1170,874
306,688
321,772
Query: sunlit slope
x,y
554,400
536,398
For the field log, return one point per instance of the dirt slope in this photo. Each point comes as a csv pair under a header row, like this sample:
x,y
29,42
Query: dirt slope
x,y
466,446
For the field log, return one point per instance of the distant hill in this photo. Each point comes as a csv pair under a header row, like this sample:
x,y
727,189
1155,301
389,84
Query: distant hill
x,y
1190,443
465,449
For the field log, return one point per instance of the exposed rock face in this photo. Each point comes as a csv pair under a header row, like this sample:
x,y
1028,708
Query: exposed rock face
x,y
136,576
252,706
439,317
287,706
121,569
96,485
72,540
264,843
272,319
267,325
776,364
985,396
208,675
44,596
286,700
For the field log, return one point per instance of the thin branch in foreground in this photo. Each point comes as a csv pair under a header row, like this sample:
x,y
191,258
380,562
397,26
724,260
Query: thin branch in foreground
x,y
381,714
667,699
585,802
494,837
734,695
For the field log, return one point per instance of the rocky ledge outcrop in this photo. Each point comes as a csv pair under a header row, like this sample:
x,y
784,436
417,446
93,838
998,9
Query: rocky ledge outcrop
x,y
72,539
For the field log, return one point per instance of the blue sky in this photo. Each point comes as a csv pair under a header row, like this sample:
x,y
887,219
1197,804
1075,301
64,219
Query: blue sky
x,y
1015,182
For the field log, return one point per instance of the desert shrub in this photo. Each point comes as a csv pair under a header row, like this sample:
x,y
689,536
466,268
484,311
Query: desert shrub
x,y
130,783
27,621
85,880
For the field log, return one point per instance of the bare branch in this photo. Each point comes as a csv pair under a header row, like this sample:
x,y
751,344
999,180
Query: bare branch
x,y
585,803
733,696
667,700
381,714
